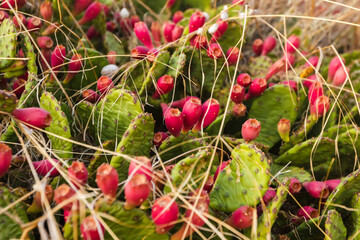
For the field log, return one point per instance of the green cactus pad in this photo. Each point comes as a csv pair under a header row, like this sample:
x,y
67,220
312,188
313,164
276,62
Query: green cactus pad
x,y
135,75
136,141
269,216
349,145
156,71
99,158
15,73
259,66
334,226
114,113
123,223
172,147
8,101
231,36
59,126
9,228
85,112
8,43
214,127
194,165
177,62
320,150
308,230
344,191
112,43
290,172
275,103
336,130
243,181
299,135
355,216
236,141
29,53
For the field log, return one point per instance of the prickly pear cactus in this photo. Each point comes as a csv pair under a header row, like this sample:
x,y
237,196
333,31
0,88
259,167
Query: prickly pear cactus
x,y
29,52
281,172
11,221
316,150
123,223
259,66
59,126
177,62
269,216
249,169
355,216
8,43
8,101
114,113
275,103
112,43
334,226
136,141
312,229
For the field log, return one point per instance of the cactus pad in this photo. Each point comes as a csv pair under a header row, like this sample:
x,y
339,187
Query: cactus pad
x,y
114,113
355,216
243,181
320,150
136,141
290,172
8,43
59,126
259,66
334,226
8,101
29,53
276,102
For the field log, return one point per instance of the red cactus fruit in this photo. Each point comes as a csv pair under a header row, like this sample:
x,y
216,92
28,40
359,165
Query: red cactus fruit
x,y
209,184
45,42
290,59
269,195
46,10
19,87
164,213
80,6
173,121
57,59
291,84
332,184
19,18
137,190
292,43
307,212
250,129
143,34
90,95
110,26
156,32
340,76
111,57
313,61
268,46
237,93
258,46
283,128
141,165
5,158
317,189
92,11
75,66
222,27
50,29
37,203
92,32
46,53
4,15
295,186
320,107
334,65
210,111
45,167
104,84
278,66
178,15
244,79
139,52
242,217
232,55
215,51
164,85
33,23
91,229
200,41
220,168
159,137
151,54
197,20
13,3
191,111
63,193
36,117
180,103
167,31
177,32
316,90
257,87
239,110
107,180
239,2
78,173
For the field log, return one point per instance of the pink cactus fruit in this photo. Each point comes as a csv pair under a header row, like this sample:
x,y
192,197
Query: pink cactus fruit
x,y
242,217
250,129
5,158
191,111
257,47
292,43
45,167
143,34
137,190
141,165
268,46
334,65
244,79
210,111
91,229
164,213
64,193
107,180
317,189
33,116
78,173
164,85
